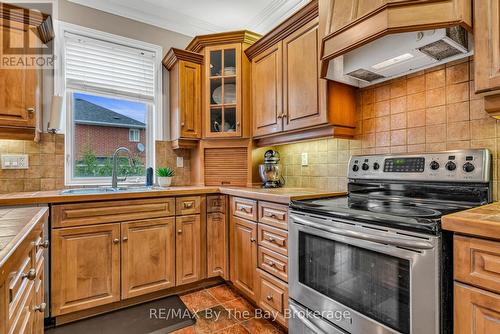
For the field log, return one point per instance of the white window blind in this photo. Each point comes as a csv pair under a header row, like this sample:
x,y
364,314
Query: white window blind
x,y
104,67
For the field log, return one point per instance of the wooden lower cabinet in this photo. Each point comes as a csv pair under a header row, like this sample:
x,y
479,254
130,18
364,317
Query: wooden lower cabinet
x,y
476,311
217,245
273,296
85,267
147,256
188,249
243,261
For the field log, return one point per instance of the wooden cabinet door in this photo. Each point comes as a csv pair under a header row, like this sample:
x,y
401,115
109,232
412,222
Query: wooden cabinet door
x,y
267,73
476,311
148,256
18,87
217,243
304,94
85,267
244,256
190,96
188,249
487,45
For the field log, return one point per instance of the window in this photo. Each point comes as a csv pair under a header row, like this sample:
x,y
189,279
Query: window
x,y
134,135
112,94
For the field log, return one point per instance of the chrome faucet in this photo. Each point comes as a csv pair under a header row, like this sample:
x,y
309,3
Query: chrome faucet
x,y
114,176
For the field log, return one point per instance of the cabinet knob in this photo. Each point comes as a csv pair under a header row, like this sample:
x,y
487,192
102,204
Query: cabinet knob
x,y
188,205
43,244
280,116
116,241
31,112
30,275
271,239
271,264
252,239
125,238
269,297
40,308
284,115
182,124
179,231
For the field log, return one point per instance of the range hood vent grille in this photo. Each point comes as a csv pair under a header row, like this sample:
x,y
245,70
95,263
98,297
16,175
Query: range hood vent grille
x,y
453,44
365,75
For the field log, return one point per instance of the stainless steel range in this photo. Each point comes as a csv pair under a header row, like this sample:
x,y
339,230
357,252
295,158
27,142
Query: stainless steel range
x,y
377,261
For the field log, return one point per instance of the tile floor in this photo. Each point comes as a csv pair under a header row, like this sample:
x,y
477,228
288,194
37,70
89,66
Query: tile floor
x,y
234,314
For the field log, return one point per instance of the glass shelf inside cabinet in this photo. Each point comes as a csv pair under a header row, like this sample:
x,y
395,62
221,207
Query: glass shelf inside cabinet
x,y
223,91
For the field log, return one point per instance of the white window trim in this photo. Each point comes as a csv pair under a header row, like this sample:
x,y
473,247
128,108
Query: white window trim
x,y
155,117
134,135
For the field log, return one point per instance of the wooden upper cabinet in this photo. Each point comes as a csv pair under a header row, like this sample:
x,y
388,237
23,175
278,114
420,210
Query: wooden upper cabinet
x,y
188,249
18,87
85,267
303,90
217,245
267,92
487,53
185,96
148,256
243,254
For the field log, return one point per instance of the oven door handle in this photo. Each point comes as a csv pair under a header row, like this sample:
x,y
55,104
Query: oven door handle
x,y
308,323
386,239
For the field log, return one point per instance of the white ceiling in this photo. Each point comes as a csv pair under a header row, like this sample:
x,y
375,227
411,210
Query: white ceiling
x,y
198,17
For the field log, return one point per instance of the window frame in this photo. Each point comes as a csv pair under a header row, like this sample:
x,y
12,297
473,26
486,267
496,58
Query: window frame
x,y
155,113
134,135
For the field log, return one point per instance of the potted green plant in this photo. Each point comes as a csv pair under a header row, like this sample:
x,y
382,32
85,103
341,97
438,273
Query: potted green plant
x,y
165,175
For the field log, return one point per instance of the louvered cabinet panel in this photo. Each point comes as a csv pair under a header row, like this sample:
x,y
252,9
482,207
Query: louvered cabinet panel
x,y
226,166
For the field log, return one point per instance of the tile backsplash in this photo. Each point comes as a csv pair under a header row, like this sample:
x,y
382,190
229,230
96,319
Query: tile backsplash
x,y
46,164
428,111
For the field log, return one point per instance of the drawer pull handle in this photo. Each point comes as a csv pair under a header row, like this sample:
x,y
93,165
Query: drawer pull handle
x,y
116,241
269,298
271,239
30,275
40,308
188,205
43,244
252,239
272,215
245,210
271,264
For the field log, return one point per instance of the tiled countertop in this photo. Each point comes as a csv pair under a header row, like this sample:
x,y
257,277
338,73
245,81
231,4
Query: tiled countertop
x,y
281,195
483,221
15,225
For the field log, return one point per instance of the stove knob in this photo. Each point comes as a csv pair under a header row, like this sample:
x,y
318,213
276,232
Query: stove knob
x,y
365,166
434,165
355,168
468,167
376,166
451,166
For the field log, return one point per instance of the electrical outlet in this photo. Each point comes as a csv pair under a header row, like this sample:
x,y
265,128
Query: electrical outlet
x,y
180,162
15,161
305,159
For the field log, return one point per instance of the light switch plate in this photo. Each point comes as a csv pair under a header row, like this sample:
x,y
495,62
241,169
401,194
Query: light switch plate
x,y
15,161
305,159
180,162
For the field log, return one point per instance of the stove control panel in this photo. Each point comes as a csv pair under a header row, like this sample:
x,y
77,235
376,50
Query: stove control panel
x,y
459,166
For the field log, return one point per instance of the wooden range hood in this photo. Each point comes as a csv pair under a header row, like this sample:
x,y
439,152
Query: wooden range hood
x,y
350,24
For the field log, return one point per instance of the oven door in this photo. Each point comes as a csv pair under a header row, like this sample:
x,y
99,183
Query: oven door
x,y
365,278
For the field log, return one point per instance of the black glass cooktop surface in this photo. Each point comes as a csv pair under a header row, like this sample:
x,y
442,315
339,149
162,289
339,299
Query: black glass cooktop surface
x,y
412,214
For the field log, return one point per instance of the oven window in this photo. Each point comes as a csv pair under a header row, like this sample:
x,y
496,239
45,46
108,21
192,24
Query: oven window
x,y
374,284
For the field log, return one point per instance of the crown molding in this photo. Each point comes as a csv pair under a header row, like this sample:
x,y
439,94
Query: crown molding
x,y
175,55
170,19
242,36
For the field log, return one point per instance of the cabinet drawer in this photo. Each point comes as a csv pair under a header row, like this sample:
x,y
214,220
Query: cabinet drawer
x,y
476,311
273,295
216,203
18,283
273,263
244,208
477,262
24,318
273,214
187,205
67,215
273,238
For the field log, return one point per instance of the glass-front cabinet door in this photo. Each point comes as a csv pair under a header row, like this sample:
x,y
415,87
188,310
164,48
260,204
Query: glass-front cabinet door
x,y
223,91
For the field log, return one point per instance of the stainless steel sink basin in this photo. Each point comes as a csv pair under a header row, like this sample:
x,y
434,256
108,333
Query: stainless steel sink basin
x,y
104,190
